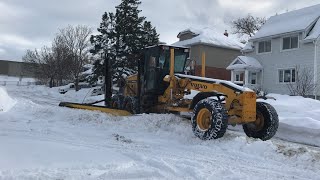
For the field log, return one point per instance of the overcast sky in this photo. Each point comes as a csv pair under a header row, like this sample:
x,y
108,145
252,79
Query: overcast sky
x,y
30,24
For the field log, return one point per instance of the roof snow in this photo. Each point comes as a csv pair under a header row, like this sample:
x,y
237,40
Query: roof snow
x,y
294,21
315,32
244,62
248,47
209,37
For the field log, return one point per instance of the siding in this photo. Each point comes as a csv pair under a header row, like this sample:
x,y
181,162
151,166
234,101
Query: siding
x,y
277,59
215,56
318,68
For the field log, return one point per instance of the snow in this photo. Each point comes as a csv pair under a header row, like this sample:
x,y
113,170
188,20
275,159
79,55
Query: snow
x,y
16,79
245,62
210,37
294,21
40,140
248,47
6,102
315,32
299,118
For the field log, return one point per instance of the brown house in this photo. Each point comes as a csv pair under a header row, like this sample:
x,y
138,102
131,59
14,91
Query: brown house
x,y
220,50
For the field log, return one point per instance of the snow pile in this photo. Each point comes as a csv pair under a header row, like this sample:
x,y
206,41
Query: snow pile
x,y
210,37
299,118
93,145
6,103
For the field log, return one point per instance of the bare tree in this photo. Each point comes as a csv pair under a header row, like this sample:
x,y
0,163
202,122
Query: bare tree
x,y
44,64
77,40
63,59
303,84
248,25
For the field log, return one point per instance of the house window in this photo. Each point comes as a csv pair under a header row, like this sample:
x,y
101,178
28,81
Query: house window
x,y
290,42
264,46
238,77
253,78
287,75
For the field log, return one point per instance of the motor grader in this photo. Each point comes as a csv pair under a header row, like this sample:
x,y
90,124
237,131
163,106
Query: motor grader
x,y
161,86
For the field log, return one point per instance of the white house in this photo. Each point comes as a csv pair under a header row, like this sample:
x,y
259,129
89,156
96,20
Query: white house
x,y
285,44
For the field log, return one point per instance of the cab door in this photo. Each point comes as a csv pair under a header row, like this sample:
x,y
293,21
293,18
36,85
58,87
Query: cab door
x,y
151,71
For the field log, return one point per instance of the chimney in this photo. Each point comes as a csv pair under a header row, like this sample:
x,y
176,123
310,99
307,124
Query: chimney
x,y
226,33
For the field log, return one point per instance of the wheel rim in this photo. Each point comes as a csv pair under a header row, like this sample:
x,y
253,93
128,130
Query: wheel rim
x,y
129,107
258,124
114,105
204,119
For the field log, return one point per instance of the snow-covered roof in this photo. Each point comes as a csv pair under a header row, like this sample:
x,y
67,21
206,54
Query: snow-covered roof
x,y
209,37
290,22
315,32
248,47
245,62
189,30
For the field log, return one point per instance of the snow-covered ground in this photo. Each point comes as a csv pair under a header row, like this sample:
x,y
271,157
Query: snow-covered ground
x,y
40,140
13,80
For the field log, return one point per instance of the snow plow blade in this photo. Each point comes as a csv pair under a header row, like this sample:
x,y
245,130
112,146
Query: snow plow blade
x,y
115,112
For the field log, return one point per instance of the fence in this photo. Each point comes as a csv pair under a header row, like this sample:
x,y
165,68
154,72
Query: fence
x,y
17,83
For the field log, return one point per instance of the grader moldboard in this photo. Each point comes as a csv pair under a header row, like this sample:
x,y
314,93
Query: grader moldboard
x,y
160,87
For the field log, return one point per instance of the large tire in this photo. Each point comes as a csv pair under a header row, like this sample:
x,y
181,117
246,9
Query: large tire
x,y
117,101
209,119
131,105
266,125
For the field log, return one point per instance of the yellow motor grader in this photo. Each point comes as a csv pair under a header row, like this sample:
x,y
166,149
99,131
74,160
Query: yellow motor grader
x,y
161,86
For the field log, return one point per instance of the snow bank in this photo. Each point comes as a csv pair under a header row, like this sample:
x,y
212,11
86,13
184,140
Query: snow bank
x,y
6,102
299,118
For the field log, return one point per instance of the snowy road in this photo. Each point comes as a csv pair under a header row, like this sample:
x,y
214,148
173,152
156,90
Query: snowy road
x,y
42,141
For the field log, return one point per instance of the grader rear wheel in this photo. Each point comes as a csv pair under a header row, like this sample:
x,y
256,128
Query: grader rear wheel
x,y
117,101
266,124
131,105
209,120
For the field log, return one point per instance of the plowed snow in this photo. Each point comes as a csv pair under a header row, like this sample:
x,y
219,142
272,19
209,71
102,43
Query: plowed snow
x,y
40,140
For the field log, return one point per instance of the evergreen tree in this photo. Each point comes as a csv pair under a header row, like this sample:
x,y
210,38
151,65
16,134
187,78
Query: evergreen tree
x,y
150,35
103,45
122,37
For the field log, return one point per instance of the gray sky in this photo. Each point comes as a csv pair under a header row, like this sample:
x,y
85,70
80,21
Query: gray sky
x,y
30,24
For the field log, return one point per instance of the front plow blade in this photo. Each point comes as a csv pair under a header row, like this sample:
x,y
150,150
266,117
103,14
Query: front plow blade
x,y
115,112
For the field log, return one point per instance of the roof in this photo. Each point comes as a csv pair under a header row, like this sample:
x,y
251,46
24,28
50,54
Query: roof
x,y
248,47
315,32
189,30
245,62
166,45
208,36
294,21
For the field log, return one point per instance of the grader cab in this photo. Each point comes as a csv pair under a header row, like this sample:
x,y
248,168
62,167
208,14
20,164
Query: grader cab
x,y
161,86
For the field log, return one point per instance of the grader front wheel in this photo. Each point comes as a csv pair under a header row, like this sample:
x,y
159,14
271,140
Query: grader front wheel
x,y
266,124
209,120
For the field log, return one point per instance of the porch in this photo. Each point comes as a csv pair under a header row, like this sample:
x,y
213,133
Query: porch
x,y
247,72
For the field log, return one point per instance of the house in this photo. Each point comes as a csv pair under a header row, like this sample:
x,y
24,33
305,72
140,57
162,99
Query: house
x,y
285,44
219,49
